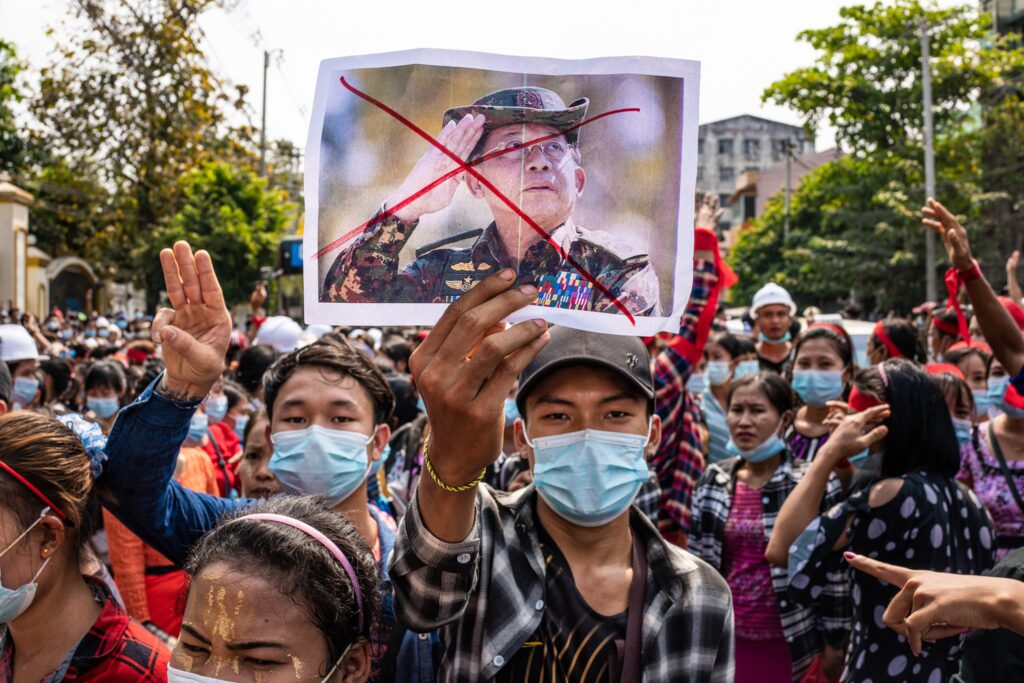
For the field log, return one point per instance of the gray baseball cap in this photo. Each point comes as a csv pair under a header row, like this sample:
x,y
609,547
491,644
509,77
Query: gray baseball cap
x,y
625,355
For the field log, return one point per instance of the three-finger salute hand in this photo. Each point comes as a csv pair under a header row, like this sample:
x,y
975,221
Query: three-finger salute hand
x,y
954,237
465,369
196,331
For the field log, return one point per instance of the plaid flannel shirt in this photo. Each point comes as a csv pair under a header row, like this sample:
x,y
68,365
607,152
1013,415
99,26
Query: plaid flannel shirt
x,y
487,594
679,461
806,625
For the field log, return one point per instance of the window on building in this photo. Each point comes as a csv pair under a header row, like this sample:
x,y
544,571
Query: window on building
x,y
751,149
700,145
779,149
725,146
749,207
726,173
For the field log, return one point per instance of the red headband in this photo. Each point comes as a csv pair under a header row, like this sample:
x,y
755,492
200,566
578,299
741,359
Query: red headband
x,y
859,402
947,328
880,334
944,369
829,326
38,494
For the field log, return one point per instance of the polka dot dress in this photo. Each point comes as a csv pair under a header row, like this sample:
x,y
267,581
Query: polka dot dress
x,y
932,523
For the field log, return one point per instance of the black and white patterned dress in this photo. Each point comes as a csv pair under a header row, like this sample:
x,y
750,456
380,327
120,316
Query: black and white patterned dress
x,y
932,523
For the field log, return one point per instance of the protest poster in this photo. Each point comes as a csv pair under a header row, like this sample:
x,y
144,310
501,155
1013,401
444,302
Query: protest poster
x,y
428,170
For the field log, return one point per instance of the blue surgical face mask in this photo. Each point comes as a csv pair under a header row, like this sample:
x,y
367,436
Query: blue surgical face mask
x,y
718,372
511,411
90,333
66,334
122,324
996,391
766,449
53,326
818,387
964,431
589,477
216,408
103,406
23,391
746,367
14,601
104,333
320,461
981,402
781,340
241,422
197,427
697,383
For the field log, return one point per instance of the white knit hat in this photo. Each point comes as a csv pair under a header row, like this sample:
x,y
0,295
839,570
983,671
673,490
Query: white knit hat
x,y
281,332
771,294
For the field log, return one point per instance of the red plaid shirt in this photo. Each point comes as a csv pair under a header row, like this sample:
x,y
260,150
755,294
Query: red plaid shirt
x,y
117,649
679,461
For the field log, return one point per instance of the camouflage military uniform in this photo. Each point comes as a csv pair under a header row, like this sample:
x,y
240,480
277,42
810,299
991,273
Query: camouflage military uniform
x,y
368,269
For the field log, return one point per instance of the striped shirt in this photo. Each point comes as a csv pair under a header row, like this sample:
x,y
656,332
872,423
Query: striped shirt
x,y
803,447
718,430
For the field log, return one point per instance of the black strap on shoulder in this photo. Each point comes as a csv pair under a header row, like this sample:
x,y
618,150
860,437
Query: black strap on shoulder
x,y
437,244
632,661
998,451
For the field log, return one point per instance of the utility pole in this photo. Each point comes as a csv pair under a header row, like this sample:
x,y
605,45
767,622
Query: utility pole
x,y
929,157
263,117
789,182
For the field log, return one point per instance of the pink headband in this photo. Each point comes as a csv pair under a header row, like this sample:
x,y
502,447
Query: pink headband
x,y
324,541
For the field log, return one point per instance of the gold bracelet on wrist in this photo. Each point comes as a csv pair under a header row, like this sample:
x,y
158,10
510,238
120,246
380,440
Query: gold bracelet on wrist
x,y
437,480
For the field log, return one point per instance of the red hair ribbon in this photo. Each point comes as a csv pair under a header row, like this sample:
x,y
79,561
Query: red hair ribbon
x,y
36,492
954,279
829,326
860,402
880,334
944,369
943,326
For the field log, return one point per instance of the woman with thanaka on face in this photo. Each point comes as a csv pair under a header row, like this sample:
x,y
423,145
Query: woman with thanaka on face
x,y
47,607
734,511
728,357
910,509
283,591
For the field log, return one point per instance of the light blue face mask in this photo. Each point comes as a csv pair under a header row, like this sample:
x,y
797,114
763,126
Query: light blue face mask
x,y
766,449
964,431
697,383
981,402
241,422
216,408
23,391
589,477
718,372
511,411
996,391
318,461
103,406
781,340
14,601
818,387
197,428
746,367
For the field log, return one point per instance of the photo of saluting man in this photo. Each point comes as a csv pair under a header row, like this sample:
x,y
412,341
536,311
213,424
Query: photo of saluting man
x,y
525,141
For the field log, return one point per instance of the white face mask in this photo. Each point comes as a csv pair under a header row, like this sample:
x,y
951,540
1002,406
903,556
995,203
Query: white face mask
x,y
179,676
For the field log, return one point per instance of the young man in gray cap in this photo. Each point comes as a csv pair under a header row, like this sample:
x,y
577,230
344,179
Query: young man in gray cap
x,y
544,179
563,572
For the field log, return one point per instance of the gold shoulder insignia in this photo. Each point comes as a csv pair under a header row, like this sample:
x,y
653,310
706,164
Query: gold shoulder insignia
x,y
463,267
463,285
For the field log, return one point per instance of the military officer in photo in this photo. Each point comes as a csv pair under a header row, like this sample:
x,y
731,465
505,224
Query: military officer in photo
x,y
544,179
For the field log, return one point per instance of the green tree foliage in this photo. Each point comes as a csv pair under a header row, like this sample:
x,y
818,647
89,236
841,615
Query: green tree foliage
x,y
130,103
12,141
855,222
232,214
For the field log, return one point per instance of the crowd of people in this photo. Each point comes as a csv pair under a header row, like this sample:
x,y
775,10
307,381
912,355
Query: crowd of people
x,y
185,498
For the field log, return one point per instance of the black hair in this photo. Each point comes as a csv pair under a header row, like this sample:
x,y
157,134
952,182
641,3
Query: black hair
x,y
337,355
840,343
301,566
956,356
729,342
235,393
953,387
59,371
397,349
252,364
405,399
151,369
921,435
948,317
775,389
905,338
745,345
6,384
106,374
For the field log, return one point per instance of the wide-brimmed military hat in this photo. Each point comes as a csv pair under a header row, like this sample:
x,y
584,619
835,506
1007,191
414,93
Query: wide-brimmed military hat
x,y
524,105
